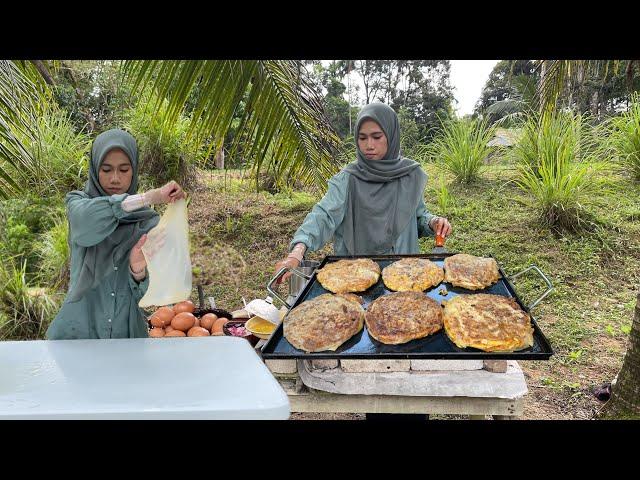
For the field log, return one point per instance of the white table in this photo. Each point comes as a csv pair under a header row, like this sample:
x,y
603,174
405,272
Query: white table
x,y
151,378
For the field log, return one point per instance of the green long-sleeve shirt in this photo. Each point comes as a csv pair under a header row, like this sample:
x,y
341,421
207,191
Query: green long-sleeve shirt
x,y
324,222
111,309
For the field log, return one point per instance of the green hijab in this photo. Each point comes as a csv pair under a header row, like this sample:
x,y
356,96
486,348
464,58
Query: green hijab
x,y
383,194
98,260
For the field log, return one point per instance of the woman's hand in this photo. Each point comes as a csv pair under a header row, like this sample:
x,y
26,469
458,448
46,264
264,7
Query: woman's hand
x,y
137,262
287,262
171,192
440,226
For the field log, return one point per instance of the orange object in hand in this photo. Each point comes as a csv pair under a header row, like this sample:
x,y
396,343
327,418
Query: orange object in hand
x,y
439,241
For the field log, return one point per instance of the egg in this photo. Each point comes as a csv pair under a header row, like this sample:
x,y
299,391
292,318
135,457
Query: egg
x,y
175,333
207,320
197,324
218,324
260,325
168,329
183,321
186,306
156,332
162,317
198,332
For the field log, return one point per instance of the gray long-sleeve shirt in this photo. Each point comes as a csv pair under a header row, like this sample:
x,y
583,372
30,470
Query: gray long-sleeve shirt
x,y
324,222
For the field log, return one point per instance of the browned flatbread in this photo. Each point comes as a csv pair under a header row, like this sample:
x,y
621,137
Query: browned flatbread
x,y
470,272
324,322
403,316
492,323
349,275
412,274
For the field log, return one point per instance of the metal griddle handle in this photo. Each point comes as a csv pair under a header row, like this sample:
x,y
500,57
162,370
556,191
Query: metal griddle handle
x,y
281,272
534,267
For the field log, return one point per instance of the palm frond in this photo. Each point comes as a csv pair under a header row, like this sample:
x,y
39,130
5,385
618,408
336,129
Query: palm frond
x,y
556,75
19,95
283,127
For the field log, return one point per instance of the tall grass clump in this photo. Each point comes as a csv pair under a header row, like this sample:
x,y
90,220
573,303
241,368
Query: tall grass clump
x,y
558,163
54,256
25,311
624,138
59,152
461,148
166,151
444,197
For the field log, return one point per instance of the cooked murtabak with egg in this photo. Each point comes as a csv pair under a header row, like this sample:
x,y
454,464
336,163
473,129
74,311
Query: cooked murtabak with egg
x,y
403,316
492,323
349,275
412,274
470,272
324,322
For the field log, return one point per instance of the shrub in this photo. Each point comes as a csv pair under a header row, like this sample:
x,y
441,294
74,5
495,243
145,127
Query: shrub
x,y
558,163
22,221
54,256
624,139
166,152
27,310
461,148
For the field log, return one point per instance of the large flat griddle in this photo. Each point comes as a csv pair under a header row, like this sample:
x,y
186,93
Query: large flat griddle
x,y
436,346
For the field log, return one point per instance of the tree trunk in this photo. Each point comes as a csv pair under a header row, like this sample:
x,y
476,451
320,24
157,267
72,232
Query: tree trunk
x,y
625,394
43,70
219,159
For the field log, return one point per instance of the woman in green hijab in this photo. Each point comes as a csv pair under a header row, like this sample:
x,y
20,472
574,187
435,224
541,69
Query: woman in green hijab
x,y
374,205
108,224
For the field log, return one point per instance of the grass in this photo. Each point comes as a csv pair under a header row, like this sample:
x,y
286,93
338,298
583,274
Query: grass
x,y
238,235
595,274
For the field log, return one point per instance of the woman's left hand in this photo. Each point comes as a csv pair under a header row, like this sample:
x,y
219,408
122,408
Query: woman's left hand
x,y
440,226
137,262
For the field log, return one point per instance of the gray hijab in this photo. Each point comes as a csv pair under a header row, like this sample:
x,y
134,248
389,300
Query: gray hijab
x,y
98,260
383,194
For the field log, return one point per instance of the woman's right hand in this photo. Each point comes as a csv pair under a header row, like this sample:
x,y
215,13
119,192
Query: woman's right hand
x,y
287,262
168,193
171,192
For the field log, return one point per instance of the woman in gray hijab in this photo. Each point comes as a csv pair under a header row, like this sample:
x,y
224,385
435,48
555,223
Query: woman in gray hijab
x,y
374,205
108,223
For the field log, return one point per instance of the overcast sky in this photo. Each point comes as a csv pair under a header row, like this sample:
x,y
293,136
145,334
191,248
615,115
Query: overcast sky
x,y
467,79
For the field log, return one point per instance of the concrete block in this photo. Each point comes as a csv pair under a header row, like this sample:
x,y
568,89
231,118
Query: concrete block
x,y
360,366
449,365
324,364
495,366
282,366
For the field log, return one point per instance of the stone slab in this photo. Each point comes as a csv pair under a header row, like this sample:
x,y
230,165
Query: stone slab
x,y
496,366
282,366
324,364
422,365
465,383
359,366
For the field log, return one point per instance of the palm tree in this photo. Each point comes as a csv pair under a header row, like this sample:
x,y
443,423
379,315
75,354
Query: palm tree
x,y
625,394
555,75
282,129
